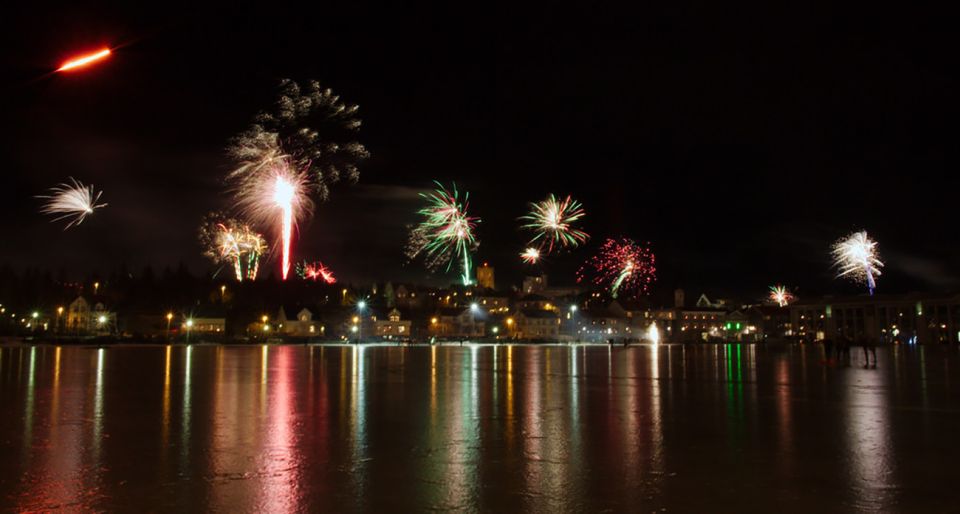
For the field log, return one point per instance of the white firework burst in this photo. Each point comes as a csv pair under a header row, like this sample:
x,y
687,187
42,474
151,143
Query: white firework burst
x,y
73,201
856,258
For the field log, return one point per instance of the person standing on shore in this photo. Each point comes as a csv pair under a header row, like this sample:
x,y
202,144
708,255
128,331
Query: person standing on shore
x,y
871,346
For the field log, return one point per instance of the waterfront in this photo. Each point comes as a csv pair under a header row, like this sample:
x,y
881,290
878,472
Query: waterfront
x,y
488,428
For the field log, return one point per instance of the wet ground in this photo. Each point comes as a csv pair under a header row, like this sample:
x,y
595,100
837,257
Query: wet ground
x,y
723,428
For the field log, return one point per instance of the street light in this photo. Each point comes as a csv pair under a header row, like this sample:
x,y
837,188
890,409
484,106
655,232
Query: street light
x,y
59,315
474,309
573,317
361,305
169,319
189,324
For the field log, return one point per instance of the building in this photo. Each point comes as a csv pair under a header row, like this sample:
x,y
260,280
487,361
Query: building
x,y
457,323
603,324
203,325
485,276
411,297
392,327
82,319
536,324
534,284
698,323
535,302
301,325
909,318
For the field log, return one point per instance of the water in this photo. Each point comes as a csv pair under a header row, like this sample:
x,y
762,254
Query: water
x,y
477,428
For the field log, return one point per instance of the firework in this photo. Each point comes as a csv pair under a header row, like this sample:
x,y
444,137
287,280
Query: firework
x,y
73,201
530,255
315,128
85,60
445,233
273,193
780,295
292,152
622,267
855,257
227,241
552,221
315,271
653,333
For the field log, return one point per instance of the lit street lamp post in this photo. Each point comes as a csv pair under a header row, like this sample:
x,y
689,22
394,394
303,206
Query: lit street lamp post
x,y
361,305
474,309
573,321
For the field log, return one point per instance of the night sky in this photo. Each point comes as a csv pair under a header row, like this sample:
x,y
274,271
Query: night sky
x,y
740,141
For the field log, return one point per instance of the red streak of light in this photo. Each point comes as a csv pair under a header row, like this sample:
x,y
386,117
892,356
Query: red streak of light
x,y
85,60
287,234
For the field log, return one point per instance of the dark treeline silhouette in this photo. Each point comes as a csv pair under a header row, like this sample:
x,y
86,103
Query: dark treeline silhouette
x,y
174,290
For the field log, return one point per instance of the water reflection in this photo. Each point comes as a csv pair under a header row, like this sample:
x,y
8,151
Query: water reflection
x,y
868,442
565,428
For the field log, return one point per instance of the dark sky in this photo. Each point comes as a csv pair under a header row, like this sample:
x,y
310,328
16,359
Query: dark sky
x,y
739,141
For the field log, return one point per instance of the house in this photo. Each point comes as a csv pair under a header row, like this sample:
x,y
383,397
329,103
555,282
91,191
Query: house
x,y
82,319
78,315
601,324
411,297
301,325
535,302
491,301
457,322
534,284
699,323
536,324
392,327
204,325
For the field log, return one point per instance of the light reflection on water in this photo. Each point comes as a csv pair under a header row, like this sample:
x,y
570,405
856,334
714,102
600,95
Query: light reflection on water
x,y
511,428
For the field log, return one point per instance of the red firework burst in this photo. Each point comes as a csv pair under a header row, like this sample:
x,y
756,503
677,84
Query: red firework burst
x,y
315,271
623,267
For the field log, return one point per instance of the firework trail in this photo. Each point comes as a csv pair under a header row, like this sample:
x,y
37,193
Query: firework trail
x,y
73,201
227,241
85,60
856,258
314,128
291,152
621,267
445,233
780,295
552,222
273,193
530,255
315,271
